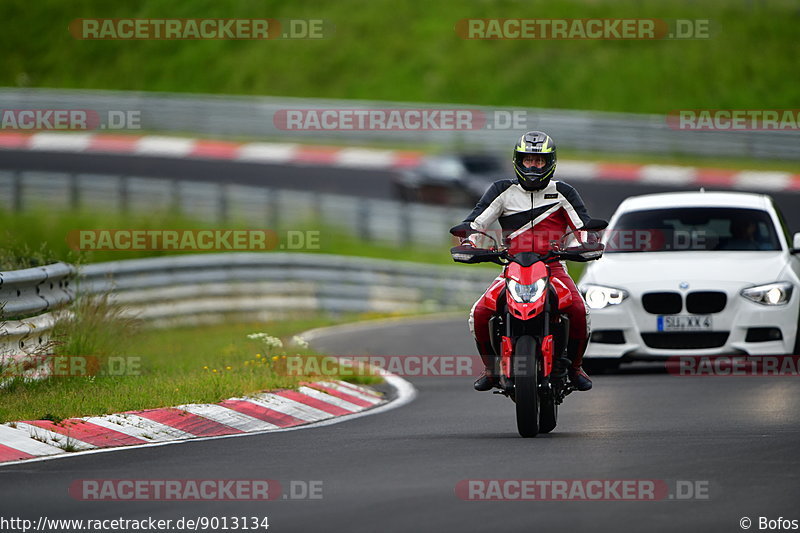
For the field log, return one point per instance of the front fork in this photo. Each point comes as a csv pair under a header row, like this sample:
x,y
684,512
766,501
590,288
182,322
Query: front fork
x,y
507,346
552,356
507,356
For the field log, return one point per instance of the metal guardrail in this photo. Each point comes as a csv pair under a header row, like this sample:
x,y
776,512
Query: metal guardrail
x,y
254,117
27,299
209,287
35,290
197,288
200,288
369,219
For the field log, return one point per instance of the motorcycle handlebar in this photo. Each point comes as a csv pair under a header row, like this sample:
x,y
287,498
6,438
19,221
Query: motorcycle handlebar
x,y
470,254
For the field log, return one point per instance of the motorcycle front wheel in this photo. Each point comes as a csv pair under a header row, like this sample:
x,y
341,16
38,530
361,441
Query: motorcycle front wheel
x,y
548,413
526,386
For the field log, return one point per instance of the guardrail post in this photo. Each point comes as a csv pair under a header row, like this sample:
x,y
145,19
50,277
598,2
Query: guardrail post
x,y
316,204
74,192
176,197
223,203
16,191
273,207
124,194
406,235
364,230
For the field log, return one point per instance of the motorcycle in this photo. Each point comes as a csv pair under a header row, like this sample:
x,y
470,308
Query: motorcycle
x,y
529,329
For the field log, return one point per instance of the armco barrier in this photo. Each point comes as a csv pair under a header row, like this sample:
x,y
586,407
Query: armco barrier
x,y
248,116
369,219
27,299
35,290
267,285
207,287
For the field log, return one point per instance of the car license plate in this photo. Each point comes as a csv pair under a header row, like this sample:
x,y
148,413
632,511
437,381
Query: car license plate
x,y
684,322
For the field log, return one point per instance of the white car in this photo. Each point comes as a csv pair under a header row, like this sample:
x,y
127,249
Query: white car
x,y
693,273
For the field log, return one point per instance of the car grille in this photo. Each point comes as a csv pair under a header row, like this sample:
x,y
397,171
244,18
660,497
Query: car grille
x,y
662,303
685,340
706,302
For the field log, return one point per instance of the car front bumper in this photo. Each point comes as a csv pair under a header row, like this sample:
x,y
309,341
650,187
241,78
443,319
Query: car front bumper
x,y
628,331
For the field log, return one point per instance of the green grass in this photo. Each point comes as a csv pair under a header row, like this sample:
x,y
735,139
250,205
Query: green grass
x,y
409,51
93,326
159,368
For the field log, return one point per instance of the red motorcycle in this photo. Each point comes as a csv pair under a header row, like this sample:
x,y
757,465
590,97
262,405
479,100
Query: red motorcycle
x,y
529,330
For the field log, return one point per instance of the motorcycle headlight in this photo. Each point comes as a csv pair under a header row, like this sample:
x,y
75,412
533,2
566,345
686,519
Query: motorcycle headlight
x,y
526,293
777,293
600,297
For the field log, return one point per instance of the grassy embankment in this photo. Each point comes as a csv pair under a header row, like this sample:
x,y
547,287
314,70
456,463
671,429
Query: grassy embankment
x,y
412,53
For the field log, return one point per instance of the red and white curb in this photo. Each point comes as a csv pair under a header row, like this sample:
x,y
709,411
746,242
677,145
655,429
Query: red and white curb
x,y
179,147
311,405
353,157
673,175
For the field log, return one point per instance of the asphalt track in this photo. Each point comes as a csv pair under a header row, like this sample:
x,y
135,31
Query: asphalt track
x,y
736,438
370,183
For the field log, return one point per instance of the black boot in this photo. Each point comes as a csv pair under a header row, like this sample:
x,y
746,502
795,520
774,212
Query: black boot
x,y
579,379
488,378
487,381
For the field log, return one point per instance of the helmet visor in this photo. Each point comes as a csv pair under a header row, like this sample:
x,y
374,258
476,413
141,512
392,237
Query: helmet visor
x,y
534,161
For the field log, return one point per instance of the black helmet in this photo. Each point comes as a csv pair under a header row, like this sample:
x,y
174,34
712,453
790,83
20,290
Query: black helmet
x,y
535,142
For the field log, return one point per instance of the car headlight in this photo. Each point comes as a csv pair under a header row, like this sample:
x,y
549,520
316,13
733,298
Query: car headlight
x,y
600,297
526,293
770,294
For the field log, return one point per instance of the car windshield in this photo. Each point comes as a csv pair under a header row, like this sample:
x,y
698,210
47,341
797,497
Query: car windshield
x,y
693,228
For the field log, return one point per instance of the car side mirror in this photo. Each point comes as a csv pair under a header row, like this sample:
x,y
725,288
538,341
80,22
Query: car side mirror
x,y
598,224
795,244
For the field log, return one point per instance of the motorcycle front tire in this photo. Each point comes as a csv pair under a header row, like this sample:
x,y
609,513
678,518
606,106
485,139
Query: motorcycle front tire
x,y
526,386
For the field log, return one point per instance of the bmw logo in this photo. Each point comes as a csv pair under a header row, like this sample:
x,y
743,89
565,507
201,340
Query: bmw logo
x,y
684,285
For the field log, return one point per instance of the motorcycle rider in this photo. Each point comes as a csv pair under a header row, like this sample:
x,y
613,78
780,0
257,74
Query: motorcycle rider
x,y
532,210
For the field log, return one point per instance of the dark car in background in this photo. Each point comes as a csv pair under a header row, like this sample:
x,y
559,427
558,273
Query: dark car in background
x,y
450,179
